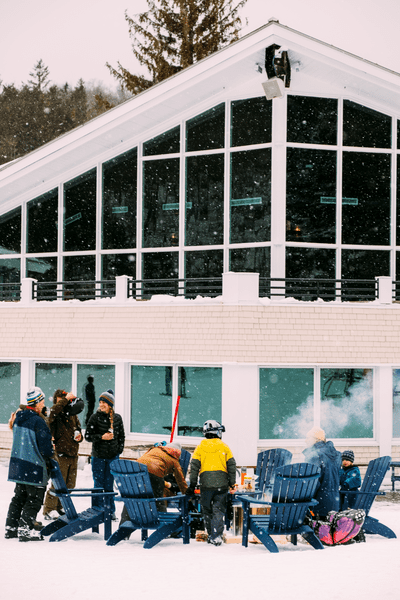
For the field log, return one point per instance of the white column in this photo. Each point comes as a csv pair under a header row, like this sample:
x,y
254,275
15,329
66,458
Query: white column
x,y
240,409
384,410
27,290
121,288
240,288
385,289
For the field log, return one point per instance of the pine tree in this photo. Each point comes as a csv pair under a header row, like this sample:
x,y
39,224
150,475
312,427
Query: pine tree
x,y
40,76
174,34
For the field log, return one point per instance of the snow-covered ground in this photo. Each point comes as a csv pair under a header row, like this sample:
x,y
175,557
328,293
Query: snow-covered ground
x,y
84,567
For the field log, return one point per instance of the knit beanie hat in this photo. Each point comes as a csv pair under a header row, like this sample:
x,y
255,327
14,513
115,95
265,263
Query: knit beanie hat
x,y
108,398
316,434
348,455
173,449
34,396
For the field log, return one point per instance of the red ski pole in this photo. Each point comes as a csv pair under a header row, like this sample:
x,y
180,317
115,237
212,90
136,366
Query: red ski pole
x,y
175,416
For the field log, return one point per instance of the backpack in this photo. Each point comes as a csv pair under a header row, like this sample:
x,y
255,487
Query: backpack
x,y
340,527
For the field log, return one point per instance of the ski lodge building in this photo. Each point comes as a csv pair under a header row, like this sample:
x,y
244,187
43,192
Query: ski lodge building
x,y
230,237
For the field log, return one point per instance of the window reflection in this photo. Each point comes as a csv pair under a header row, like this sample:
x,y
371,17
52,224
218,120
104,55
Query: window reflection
x,y
166,143
311,120
114,265
347,403
119,201
151,399
366,198
79,268
160,266
42,223
10,389
286,403
311,196
398,205
206,131
10,232
80,213
251,121
251,196
200,389
310,263
103,379
363,264
204,200
44,270
204,264
364,127
10,270
53,376
250,260
161,203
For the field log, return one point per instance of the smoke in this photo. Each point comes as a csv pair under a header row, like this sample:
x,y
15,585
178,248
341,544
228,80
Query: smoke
x,y
352,411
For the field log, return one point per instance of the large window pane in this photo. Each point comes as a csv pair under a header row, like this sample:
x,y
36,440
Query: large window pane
x,y
286,403
364,127
206,131
10,232
207,266
363,264
42,223
347,403
311,196
80,213
10,389
251,121
166,143
310,263
10,270
251,196
250,260
200,389
103,379
396,403
204,200
161,203
79,268
366,198
311,120
160,266
119,201
51,377
44,270
151,399
114,265
398,203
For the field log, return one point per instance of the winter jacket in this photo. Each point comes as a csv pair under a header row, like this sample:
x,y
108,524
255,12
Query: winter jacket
x,y
31,447
63,427
214,461
325,456
99,423
350,479
160,463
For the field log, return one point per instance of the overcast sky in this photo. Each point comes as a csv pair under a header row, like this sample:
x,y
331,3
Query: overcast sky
x,y
75,38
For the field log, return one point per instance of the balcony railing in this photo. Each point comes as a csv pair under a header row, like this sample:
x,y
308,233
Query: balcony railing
x,y
344,290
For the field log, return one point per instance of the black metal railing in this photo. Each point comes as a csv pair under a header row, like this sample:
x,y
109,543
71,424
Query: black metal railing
x,y
345,290
10,292
144,289
73,290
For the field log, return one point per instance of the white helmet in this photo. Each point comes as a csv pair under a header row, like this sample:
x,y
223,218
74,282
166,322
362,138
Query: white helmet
x,y
214,428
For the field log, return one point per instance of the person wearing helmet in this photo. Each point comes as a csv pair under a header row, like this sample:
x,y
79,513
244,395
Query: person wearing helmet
x,y
214,461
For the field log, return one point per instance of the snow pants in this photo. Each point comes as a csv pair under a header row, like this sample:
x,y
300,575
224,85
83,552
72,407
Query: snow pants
x,y
24,506
102,478
213,507
69,470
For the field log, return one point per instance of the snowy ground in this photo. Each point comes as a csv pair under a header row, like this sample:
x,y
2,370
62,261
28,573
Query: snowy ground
x,y
84,567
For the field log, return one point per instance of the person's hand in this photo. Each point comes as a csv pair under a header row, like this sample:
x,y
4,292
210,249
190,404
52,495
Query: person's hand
x,y
233,488
107,436
190,491
70,396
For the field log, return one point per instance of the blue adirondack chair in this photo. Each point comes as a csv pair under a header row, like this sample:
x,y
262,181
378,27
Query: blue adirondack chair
x,y
133,481
365,496
185,460
267,462
73,522
292,495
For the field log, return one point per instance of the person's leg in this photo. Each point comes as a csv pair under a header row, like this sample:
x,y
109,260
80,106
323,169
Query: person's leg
x,y
219,502
158,484
14,510
109,482
98,472
206,508
71,471
34,501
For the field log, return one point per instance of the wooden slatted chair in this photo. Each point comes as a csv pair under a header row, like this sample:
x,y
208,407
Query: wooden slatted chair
x,y
292,495
365,496
133,481
267,462
73,522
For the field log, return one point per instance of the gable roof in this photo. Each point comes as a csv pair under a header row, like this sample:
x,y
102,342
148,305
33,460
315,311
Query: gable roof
x,y
317,68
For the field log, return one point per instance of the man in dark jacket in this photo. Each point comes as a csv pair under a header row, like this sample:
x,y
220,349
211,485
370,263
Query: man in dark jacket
x,y
105,430
324,454
31,447
66,431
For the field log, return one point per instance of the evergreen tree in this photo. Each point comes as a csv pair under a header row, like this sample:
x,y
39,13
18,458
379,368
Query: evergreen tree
x,y
40,76
174,34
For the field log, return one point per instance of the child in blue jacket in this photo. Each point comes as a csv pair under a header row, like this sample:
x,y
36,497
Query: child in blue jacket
x,y
350,479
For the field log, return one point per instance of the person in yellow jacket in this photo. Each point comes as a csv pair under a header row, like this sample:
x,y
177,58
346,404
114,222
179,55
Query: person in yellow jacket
x,y
214,461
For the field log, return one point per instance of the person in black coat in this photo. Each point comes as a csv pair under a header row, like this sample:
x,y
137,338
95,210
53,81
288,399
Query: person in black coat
x,y
324,455
105,430
350,479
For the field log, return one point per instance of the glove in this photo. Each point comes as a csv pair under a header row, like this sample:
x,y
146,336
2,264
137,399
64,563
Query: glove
x,y
190,491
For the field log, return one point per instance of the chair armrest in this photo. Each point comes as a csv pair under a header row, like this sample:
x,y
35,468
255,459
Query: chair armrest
x,y
344,492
